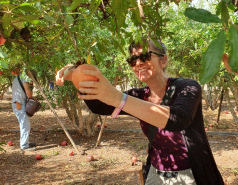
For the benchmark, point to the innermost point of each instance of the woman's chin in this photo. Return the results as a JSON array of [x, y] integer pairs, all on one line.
[[143, 78]]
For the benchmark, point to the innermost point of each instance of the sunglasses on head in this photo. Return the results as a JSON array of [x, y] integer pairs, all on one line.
[[143, 57]]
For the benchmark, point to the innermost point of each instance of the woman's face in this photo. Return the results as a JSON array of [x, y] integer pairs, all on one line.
[[150, 70]]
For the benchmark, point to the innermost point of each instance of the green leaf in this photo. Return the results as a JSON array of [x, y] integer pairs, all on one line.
[[227, 2], [28, 9], [115, 5], [92, 4], [75, 4], [201, 15], [30, 18], [158, 17], [233, 59], [3, 63], [145, 46], [7, 5], [3, 55], [120, 20], [34, 21], [218, 8], [49, 18], [6, 20], [211, 59], [155, 40], [101, 48], [34, 1], [224, 13], [69, 19], [98, 58], [135, 11], [117, 45], [94, 7]]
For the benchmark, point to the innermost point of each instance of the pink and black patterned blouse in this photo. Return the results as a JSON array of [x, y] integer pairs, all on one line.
[[183, 142], [168, 152]]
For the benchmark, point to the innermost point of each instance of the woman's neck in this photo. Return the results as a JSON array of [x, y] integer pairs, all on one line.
[[158, 87]]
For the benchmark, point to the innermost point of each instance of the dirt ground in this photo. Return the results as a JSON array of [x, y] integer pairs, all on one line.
[[121, 140]]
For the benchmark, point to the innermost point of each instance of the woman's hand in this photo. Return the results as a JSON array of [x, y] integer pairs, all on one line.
[[64, 74], [101, 90]]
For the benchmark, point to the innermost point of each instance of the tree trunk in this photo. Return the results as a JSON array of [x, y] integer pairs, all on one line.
[[73, 113], [230, 106], [2, 93], [215, 98], [3, 90], [90, 123], [234, 90], [205, 97], [209, 96], [66, 107], [219, 110], [81, 121]]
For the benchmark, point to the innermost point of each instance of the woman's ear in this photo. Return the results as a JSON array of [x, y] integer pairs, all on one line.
[[163, 61]]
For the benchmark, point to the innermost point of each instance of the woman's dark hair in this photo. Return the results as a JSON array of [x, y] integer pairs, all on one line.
[[151, 45]]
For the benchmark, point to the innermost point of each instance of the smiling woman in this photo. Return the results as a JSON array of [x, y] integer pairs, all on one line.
[[170, 114]]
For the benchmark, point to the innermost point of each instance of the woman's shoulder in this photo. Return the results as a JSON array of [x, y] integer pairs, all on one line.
[[183, 81], [186, 85]]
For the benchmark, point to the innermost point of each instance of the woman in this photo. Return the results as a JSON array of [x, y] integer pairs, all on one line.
[[180, 153]]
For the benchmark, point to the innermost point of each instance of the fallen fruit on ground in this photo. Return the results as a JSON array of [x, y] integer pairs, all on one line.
[[9, 143], [134, 159], [211, 125], [206, 129], [71, 153], [63, 143], [226, 112], [38, 157], [79, 76], [90, 158]]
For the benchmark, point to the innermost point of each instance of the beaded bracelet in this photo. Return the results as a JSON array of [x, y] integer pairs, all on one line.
[[122, 104]]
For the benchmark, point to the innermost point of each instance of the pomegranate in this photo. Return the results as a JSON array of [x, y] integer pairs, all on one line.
[[79, 76], [90, 158], [64, 143], [38, 157]]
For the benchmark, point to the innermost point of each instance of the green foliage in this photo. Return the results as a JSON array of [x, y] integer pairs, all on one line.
[[210, 64], [1, 149], [212, 57], [68, 31], [233, 60], [201, 15]]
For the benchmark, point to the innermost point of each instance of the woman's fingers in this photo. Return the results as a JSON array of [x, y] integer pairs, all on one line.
[[97, 74], [59, 78]]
